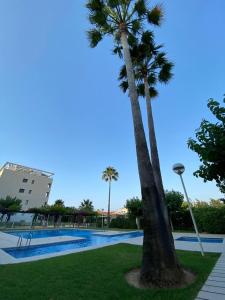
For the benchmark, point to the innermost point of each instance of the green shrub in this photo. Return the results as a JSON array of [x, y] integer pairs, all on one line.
[[210, 219], [181, 220], [123, 222]]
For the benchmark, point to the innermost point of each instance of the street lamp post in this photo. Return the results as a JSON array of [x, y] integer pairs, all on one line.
[[179, 169]]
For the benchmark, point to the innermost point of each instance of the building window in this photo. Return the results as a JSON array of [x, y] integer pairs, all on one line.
[[32, 181], [46, 194], [25, 180], [30, 191], [49, 185], [21, 190], [27, 201]]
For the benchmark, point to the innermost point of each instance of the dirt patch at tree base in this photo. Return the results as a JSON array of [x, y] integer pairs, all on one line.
[[133, 279]]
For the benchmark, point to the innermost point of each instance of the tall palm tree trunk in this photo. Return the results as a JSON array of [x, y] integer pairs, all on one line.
[[154, 150], [108, 215], [159, 263]]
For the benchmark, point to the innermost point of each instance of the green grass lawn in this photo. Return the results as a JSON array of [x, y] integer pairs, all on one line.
[[96, 274]]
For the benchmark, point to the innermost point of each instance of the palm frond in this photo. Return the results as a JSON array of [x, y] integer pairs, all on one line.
[[94, 37], [152, 80], [141, 89], [140, 7], [124, 86], [113, 3], [95, 5], [123, 73], [165, 73], [117, 50], [132, 40], [155, 15], [161, 59], [147, 37], [153, 92], [135, 26], [98, 18]]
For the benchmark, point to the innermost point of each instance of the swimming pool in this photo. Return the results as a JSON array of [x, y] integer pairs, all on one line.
[[90, 238], [203, 239]]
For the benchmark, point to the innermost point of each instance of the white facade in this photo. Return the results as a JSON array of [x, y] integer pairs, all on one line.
[[32, 186]]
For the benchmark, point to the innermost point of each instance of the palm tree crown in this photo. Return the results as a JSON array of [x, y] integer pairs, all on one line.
[[110, 174], [149, 63], [87, 204], [111, 17]]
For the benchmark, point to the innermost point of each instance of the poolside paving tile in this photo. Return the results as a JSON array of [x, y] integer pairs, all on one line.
[[219, 269], [216, 278], [214, 283], [218, 274], [210, 296], [213, 289]]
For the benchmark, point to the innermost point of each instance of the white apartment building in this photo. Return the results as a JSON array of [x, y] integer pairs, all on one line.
[[30, 185]]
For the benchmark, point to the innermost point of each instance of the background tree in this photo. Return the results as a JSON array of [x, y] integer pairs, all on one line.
[[150, 67], [124, 20], [200, 204], [59, 203], [86, 205], [174, 201], [134, 207], [57, 210], [108, 175], [216, 203], [210, 146], [8, 206]]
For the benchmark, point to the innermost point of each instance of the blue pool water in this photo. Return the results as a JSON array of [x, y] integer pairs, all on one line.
[[89, 240], [203, 240]]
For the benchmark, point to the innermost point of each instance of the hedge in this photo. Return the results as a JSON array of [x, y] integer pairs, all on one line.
[[181, 220], [124, 223], [209, 219]]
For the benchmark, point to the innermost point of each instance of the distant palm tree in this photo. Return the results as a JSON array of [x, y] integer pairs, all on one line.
[[86, 205], [109, 174], [150, 67], [59, 203], [124, 21]]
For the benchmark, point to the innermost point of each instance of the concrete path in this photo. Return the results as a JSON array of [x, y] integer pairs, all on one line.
[[9, 240], [214, 287], [189, 246]]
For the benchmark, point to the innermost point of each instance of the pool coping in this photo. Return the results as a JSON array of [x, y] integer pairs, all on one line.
[[8, 259]]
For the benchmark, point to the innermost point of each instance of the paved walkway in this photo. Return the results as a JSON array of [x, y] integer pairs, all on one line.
[[189, 246], [214, 287]]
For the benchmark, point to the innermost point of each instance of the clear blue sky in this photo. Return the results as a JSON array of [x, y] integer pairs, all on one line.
[[62, 110]]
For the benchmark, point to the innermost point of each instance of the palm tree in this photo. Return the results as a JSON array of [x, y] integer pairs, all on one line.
[[150, 67], [59, 203], [109, 174], [86, 205], [123, 20]]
